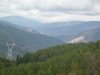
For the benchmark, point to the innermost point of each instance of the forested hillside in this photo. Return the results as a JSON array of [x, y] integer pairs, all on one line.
[[68, 59]]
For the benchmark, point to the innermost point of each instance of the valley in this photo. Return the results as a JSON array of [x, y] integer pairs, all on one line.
[[49, 37], [25, 41]]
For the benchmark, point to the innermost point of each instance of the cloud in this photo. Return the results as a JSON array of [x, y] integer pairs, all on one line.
[[24, 4], [53, 4], [96, 8], [52, 10], [63, 4], [63, 17]]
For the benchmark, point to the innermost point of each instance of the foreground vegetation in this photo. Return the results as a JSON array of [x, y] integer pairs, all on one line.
[[69, 59]]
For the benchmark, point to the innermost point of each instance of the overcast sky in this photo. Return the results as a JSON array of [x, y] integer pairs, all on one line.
[[52, 10]]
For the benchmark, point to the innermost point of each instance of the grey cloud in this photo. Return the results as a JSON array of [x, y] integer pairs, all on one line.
[[37, 8]]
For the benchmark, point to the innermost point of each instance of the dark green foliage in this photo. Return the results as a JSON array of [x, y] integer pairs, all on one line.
[[69, 59]]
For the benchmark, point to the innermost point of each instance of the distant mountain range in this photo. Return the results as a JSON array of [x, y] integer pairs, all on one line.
[[24, 39], [65, 31], [22, 21]]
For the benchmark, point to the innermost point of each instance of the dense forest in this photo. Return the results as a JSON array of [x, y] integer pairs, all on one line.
[[68, 59]]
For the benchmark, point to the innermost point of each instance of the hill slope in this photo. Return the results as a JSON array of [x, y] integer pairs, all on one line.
[[87, 36], [67, 31], [25, 41], [91, 35], [64, 31], [21, 21], [70, 59]]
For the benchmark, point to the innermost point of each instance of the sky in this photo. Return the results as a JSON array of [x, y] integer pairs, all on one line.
[[52, 10]]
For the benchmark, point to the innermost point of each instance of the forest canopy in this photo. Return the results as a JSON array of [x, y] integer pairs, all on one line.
[[68, 59]]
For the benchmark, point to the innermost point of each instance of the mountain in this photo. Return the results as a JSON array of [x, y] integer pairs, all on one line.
[[91, 35], [25, 41], [64, 31], [77, 40], [42, 27], [67, 30], [22, 21], [87, 36], [27, 29]]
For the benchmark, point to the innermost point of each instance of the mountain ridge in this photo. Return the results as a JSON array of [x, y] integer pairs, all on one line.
[[64, 31], [25, 41]]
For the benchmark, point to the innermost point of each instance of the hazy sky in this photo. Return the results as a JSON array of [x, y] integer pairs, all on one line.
[[52, 10]]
